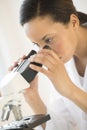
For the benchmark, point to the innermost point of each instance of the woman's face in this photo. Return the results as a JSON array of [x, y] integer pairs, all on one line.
[[61, 38]]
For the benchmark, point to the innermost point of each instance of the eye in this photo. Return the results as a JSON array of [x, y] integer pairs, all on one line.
[[48, 40]]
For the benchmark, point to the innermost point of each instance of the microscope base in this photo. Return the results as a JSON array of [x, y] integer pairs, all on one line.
[[28, 123]]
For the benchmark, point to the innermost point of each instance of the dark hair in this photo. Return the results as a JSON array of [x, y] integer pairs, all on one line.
[[58, 10], [82, 17]]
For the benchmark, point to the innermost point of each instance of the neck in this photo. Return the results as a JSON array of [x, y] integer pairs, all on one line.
[[81, 50]]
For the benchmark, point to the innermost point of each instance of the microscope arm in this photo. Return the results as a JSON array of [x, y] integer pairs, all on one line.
[[12, 83]]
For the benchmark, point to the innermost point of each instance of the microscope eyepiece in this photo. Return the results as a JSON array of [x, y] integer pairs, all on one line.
[[24, 69]]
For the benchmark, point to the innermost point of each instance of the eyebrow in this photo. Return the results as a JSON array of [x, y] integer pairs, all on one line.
[[44, 37]]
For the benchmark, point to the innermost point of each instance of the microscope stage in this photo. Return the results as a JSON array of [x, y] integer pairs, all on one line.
[[28, 123]]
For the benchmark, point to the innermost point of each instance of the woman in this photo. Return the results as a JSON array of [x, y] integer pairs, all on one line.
[[56, 23]]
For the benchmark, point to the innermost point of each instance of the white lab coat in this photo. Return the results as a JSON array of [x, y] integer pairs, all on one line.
[[65, 115]]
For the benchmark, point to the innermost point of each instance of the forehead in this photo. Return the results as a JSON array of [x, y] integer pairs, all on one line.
[[41, 26], [39, 23]]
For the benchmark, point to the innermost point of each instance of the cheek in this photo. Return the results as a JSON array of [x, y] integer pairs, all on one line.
[[63, 49], [58, 48]]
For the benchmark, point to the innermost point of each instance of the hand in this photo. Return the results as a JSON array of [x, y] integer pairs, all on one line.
[[33, 89], [16, 63], [54, 70]]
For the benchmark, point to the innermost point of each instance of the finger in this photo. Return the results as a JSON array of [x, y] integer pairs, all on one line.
[[15, 64], [45, 62], [23, 57], [51, 53], [45, 59], [42, 56], [39, 69]]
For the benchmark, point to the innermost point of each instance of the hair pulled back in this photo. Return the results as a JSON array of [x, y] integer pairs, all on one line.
[[58, 10]]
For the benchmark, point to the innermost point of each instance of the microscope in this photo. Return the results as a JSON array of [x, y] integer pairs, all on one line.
[[11, 86]]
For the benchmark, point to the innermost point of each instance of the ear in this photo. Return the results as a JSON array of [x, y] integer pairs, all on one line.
[[74, 21]]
